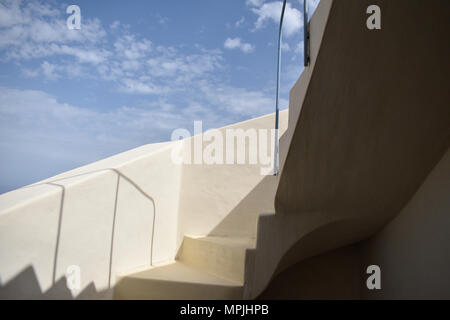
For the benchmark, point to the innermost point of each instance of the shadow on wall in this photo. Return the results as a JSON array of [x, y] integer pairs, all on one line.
[[242, 220], [25, 285], [325, 238], [412, 251], [333, 275]]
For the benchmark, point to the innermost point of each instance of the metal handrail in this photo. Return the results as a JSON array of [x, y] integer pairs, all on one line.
[[305, 34], [306, 63]]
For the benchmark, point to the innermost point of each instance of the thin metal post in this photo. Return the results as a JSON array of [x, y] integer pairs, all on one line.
[[305, 34], [275, 153]]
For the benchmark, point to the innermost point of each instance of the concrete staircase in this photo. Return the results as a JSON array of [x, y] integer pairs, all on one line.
[[358, 145], [223, 267], [208, 267]]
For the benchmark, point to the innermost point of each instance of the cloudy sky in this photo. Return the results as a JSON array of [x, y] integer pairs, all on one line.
[[133, 73]]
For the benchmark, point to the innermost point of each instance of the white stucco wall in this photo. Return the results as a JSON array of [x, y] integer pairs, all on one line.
[[413, 250], [98, 217], [211, 192], [123, 213]]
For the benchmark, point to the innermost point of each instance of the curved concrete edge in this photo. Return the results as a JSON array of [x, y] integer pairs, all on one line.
[[412, 251], [357, 209], [284, 240], [276, 233]]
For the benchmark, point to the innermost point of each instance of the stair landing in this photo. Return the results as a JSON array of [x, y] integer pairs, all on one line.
[[175, 281]]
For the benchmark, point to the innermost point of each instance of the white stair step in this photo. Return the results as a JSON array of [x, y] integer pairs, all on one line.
[[221, 256], [175, 281]]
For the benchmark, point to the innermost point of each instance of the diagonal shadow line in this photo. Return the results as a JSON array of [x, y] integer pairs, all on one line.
[[119, 175], [113, 231], [134, 184], [58, 234]]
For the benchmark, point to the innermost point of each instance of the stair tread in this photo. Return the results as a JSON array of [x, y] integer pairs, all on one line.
[[179, 272], [229, 241]]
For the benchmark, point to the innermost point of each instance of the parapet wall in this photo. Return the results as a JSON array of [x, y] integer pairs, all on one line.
[[126, 212]]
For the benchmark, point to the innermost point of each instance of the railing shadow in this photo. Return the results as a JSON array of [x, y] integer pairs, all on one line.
[[25, 285], [55, 183]]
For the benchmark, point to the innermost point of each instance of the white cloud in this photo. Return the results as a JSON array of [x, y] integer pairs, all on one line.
[[239, 22], [255, 3], [141, 86], [128, 61], [114, 25], [242, 101], [237, 43], [135, 64], [131, 65], [34, 30], [130, 48], [285, 46], [271, 11], [92, 56], [36, 129], [173, 88], [175, 68], [163, 20], [28, 73], [36, 122], [48, 70]]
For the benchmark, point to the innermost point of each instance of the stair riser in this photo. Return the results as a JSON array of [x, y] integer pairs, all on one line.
[[224, 261], [139, 289]]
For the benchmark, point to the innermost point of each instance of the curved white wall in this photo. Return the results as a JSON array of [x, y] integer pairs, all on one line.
[[98, 217], [104, 217]]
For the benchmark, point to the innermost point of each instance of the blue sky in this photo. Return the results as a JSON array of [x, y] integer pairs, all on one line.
[[133, 73]]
